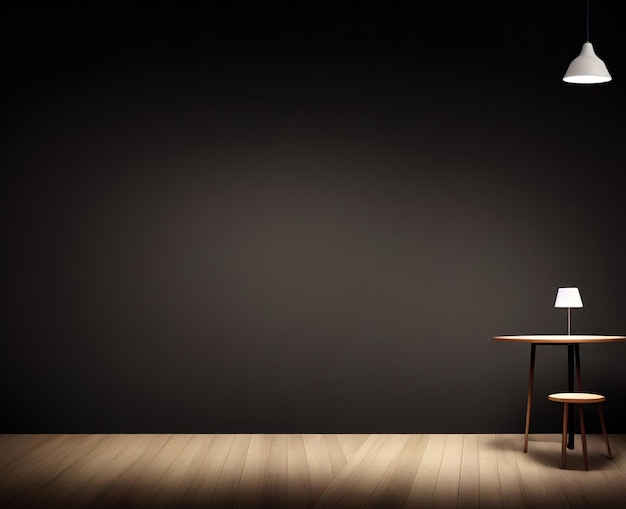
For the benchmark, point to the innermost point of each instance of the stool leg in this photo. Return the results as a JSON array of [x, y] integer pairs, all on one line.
[[583, 435], [604, 433], [564, 437]]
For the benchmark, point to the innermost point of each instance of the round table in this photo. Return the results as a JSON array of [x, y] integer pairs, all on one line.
[[573, 343]]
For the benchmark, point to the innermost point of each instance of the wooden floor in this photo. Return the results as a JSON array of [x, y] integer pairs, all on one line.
[[307, 471]]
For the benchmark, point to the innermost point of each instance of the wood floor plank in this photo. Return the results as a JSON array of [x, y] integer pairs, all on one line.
[[357, 480], [446, 492], [335, 452], [177, 477], [279, 471], [582, 488], [373, 484], [46, 468], [619, 440], [65, 487], [299, 490], [423, 485], [490, 485], [19, 449], [320, 464], [102, 479], [146, 487], [618, 448], [618, 482], [398, 478], [202, 485], [469, 475], [575, 495], [539, 481], [507, 446], [127, 473], [254, 471], [351, 443], [276, 482], [228, 483], [385, 492], [20, 457]]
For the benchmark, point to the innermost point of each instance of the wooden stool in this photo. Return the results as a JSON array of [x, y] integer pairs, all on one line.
[[580, 398]]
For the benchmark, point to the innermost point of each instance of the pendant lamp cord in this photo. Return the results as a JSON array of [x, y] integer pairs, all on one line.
[[587, 20]]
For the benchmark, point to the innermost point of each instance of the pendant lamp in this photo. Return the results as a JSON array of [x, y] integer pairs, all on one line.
[[587, 68]]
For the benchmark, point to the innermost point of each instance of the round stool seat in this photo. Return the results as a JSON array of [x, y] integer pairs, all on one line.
[[577, 397]]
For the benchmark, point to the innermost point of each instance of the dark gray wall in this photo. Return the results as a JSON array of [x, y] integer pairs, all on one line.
[[309, 220]]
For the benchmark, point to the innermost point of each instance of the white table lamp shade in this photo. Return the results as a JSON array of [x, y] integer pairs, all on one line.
[[568, 297]]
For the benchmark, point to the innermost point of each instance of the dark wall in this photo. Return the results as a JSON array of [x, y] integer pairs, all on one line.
[[314, 219]]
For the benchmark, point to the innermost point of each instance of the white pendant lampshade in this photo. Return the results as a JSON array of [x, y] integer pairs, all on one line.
[[587, 68]]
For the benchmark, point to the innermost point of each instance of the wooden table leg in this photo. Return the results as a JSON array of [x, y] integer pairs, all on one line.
[[529, 399]]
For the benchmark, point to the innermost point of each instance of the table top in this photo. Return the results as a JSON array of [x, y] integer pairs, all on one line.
[[556, 339]]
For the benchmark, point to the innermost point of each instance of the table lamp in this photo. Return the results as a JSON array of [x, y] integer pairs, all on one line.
[[568, 297]]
